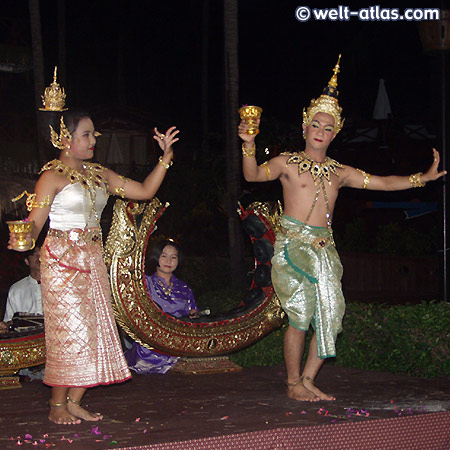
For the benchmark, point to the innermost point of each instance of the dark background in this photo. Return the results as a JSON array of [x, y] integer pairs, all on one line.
[[147, 55]]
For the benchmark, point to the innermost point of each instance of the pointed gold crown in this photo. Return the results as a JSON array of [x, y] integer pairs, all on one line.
[[327, 103], [54, 97]]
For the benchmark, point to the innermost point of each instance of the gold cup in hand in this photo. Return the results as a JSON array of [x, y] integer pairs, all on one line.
[[22, 229], [250, 114]]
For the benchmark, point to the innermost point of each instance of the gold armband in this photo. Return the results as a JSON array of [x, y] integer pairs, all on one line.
[[366, 178], [120, 191], [267, 169], [31, 202], [248, 152], [166, 166], [415, 180]]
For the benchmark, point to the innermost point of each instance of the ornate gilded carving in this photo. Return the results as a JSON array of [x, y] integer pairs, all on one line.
[[144, 321], [16, 354]]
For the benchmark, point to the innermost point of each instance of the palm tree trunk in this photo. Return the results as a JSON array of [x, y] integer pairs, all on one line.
[[62, 65], [204, 82], [233, 170], [38, 72]]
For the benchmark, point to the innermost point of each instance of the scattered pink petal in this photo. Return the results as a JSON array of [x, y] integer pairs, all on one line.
[[392, 401], [138, 419], [145, 431], [107, 436], [42, 441], [303, 412], [95, 430], [45, 435], [224, 418], [76, 435], [28, 436], [288, 413]]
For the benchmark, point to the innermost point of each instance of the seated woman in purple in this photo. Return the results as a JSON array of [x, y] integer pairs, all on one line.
[[173, 296]]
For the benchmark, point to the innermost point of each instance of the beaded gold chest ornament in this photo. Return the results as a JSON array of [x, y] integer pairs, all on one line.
[[317, 170]]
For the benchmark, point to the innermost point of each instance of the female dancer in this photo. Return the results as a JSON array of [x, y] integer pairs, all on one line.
[[172, 295], [82, 344]]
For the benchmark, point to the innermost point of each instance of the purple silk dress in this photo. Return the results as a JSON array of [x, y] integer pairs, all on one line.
[[176, 299]]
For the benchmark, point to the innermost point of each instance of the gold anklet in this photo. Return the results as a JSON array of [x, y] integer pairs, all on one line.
[[307, 379], [293, 384], [56, 405], [73, 401]]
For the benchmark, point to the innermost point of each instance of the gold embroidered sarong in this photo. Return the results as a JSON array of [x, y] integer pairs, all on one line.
[[306, 275], [81, 338]]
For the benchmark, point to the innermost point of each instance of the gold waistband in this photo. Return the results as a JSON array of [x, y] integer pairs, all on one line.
[[89, 236], [316, 241]]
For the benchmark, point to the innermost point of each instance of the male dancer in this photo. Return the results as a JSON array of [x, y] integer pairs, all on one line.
[[306, 269]]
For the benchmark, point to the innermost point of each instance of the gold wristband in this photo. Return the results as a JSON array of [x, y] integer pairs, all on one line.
[[267, 169], [248, 152], [415, 180], [165, 165], [366, 178]]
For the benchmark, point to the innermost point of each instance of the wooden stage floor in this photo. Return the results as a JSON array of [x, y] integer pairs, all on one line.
[[175, 407]]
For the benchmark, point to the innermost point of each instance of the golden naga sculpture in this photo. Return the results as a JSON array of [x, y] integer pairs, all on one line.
[[146, 323]]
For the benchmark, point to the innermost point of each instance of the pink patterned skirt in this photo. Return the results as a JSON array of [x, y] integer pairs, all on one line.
[[81, 338]]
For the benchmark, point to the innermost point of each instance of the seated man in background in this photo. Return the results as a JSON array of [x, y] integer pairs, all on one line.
[[24, 296]]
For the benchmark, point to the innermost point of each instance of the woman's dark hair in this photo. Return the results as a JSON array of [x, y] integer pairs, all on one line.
[[157, 249], [71, 119]]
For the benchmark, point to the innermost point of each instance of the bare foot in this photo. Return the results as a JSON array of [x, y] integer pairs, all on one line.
[[78, 411], [59, 414], [308, 383], [298, 392]]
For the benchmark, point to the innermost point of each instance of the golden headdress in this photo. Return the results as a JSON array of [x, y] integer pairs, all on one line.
[[54, 99], [57, 140], [327, 103], [54, 96]]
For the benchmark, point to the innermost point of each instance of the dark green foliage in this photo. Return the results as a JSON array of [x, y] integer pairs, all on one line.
[[408, 339], [391, 238], [266, 352]]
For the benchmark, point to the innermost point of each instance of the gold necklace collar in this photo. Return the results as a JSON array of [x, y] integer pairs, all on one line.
[[318, 170]]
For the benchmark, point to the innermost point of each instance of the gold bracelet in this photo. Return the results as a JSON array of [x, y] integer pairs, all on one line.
[[267, 169], [366, 178], [165, 165], [415, 180], [248, 152]]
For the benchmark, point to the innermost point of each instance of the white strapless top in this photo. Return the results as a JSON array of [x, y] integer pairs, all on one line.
[[72, 207]]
